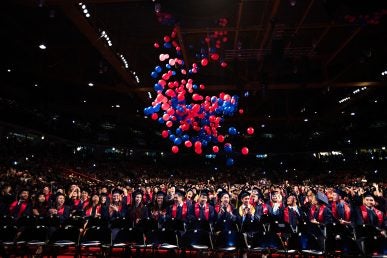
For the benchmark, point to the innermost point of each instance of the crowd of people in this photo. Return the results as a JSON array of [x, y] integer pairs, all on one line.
[[346, 215], [298, 211]]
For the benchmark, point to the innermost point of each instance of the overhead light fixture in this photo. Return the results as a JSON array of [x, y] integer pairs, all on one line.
[[42, 46]]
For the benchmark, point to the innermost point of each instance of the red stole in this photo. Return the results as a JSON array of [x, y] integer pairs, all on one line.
[[76, 202], [111, 211], [347, 211], [265, 210], [320, 217], [206, 211], [85, 204], [183, 211], [286, 215], [378, 213], [47, 197], [60, 210], [129, 199], [22, 208], [89, 210]]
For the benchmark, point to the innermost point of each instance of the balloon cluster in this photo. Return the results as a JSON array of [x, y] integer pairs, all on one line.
[[212, 44], [366, 19], [191, 119]]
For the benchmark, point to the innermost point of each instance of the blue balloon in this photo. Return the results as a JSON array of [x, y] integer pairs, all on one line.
[[177, 141], [172, 137], [185, 137], [154, 74], [158, 87], [167, 45], [232, 130], [179, 131], [168, 66], [158, 69], [157, 108], [160, 120], [230, 162], [228, 148]]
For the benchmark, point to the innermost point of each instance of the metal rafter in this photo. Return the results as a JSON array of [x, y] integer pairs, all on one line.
[[305, 14], [343, 45], [239, 16]]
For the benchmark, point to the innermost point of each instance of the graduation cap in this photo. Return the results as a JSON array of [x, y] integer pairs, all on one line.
[[137, 192], [180, 193], [222, 193], [256, 189], [339, 192], [322, 198], [243, 194], [368, 194], [204, 192], [117, 191], [160, 193]]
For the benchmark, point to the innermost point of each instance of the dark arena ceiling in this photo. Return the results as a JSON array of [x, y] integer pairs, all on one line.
[[309, 73]]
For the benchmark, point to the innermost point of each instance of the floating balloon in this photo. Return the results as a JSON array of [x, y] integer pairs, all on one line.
[[175, 149], [230, 162], [164, 134], [250, 130], [232, 130], [189, 116], [245, 150]]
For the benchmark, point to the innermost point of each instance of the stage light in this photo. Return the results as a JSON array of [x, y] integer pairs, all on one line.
[[83, 6], [352, 114], [36, 85], [42, 137], [118, 106], [87, 15], [306, 120], [262, 125], [90, 84], [9, 70], [42, 46]]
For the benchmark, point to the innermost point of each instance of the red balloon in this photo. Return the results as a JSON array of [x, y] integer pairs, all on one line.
[[167, 38], [245, 150], [198, 144], [223, 64], [188, 144], [215, 56], [241, 111], [175, 149], [154, 116], [215, 149], [197, 97], [169, 123], [198, 151], [250, 130], [204, 62], [170, 111], [166, 117], [164, 133], [220, 138], [156, 45]]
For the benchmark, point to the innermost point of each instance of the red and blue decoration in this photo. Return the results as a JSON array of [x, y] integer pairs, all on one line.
[[191, 119]]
